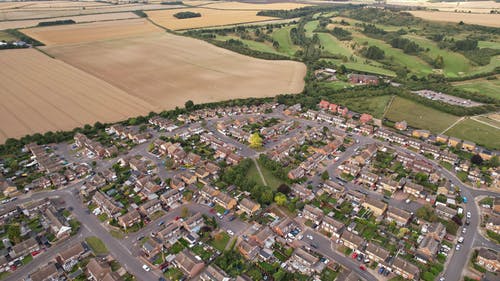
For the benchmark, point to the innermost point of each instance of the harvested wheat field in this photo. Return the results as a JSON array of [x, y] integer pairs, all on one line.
[[255, 7], [181, 69], [78, 19], [90, 32], [42, 94], [209, 17], [480, 19]]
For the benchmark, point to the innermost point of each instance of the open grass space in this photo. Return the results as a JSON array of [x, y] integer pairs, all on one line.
[[271, 180], [477, 132], [396, 56], [96, 245], [282, 35], [220, 241], [374, 106], [4, 36], [251, 44], [483, 86], [419, 116]]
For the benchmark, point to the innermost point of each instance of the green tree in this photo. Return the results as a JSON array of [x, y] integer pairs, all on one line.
[[438, 62], [325, 176], [266, 196], [14, 233], [189, 105], [280, 199], [255, 140]]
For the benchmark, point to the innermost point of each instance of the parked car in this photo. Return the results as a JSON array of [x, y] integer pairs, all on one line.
[[146, 268]]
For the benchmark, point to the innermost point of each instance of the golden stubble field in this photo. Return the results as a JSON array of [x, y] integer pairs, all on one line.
[[94, 78], [42, 94], [481, 19]]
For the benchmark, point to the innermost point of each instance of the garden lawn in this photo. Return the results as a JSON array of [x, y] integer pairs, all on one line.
[[479, 133], [96, 245], [271, 180], [220, 244], [419, 116], [282, 35]]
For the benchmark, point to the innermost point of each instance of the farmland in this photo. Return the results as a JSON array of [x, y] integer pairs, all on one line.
[[486, 87], [71, 34], [477, 132], [419, 116], [481, 19], [42, 94], [209, 17], [254, 7]]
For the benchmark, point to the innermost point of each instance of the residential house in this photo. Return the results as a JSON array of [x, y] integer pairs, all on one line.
[[414, 189], [363, 79], [355, 196], [248, 206], [399, 216], [405, 269], [351, 240], [57, 224], [332, 226], [376, 206], [23, 248], [151, 247], [488, 259], [170, 234], [493, 223], [303, 261], [225, 200], [214, 273], [284, 226], [421, 134], [296, 173], [445, 212], [428, 248], [452, 141], [334, 189], [300, 191], [264, 237], [468, 145], [365, 118], [150, 207], [377, 253], [70, 256], [401, 125], [389, 185], [249, 251], [188, 264], [106, 205], [171, 196], [436, 230], [194, 223], [313, 214], [129, 219], [208, 192], [368, 178], [47, 272], [97, 271]]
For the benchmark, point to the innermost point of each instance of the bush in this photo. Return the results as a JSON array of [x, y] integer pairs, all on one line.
[[187, 15]]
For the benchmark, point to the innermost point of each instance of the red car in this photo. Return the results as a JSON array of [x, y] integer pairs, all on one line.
[[177, 218], [362, 267], [354, 255]]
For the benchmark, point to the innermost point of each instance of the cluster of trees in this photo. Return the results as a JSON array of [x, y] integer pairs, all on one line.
[[310, 46], [408, 46], [239, 47], [56, 22], [187, 15], [384, 16], [304, 11], [465, 45], [23, 37], [341, 34], [141, 13], [372, 30], [373, 52]]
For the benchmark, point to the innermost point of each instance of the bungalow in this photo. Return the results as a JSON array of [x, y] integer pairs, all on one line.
[[188, 264], [414, 189], [445, 212], [248, 206], [47, 272], [225, 200], [249, 251], [129, 219], [389, 185], [377, 253], [488, 259], [214, 273], [399, 216], [351, 240], [70, 256], [332, 226], [303, 261], [405, 269], [376, 206], [171, 196], [150, 207], [194, 223], [313, 214], [23, 248]]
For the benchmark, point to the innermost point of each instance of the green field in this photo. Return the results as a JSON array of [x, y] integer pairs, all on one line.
[[489, 44], [310, 27], [477, 132], [271, 180], [455, 64], [282, 35], [4, 36], [254, 45], [419, 116], [374, 106], [220, 241], [337, 85], [333, 45], [486, 87], [96, 245], [396, 56]]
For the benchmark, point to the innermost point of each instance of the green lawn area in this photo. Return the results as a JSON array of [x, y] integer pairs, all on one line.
[[116, 234], [6, 36], [495, 62], [479, 133], [374, 106], [96, 245], [489, 44], [220, 241], [336, 85], [489, 120], [282, 35], [174, 274], [419, 116], [454, 63], [310, 27], [396, 56], [271, 180], [489, 88], [27, 259], [254, 45], [333, 45]]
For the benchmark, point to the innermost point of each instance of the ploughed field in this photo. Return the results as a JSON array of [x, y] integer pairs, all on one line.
[[109, 71]]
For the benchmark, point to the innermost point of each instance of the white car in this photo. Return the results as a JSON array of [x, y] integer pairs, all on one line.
[[145, 267], [469, 215], [457, 247], [464, 230], [461, 239], [310, 237], [230, 232]]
